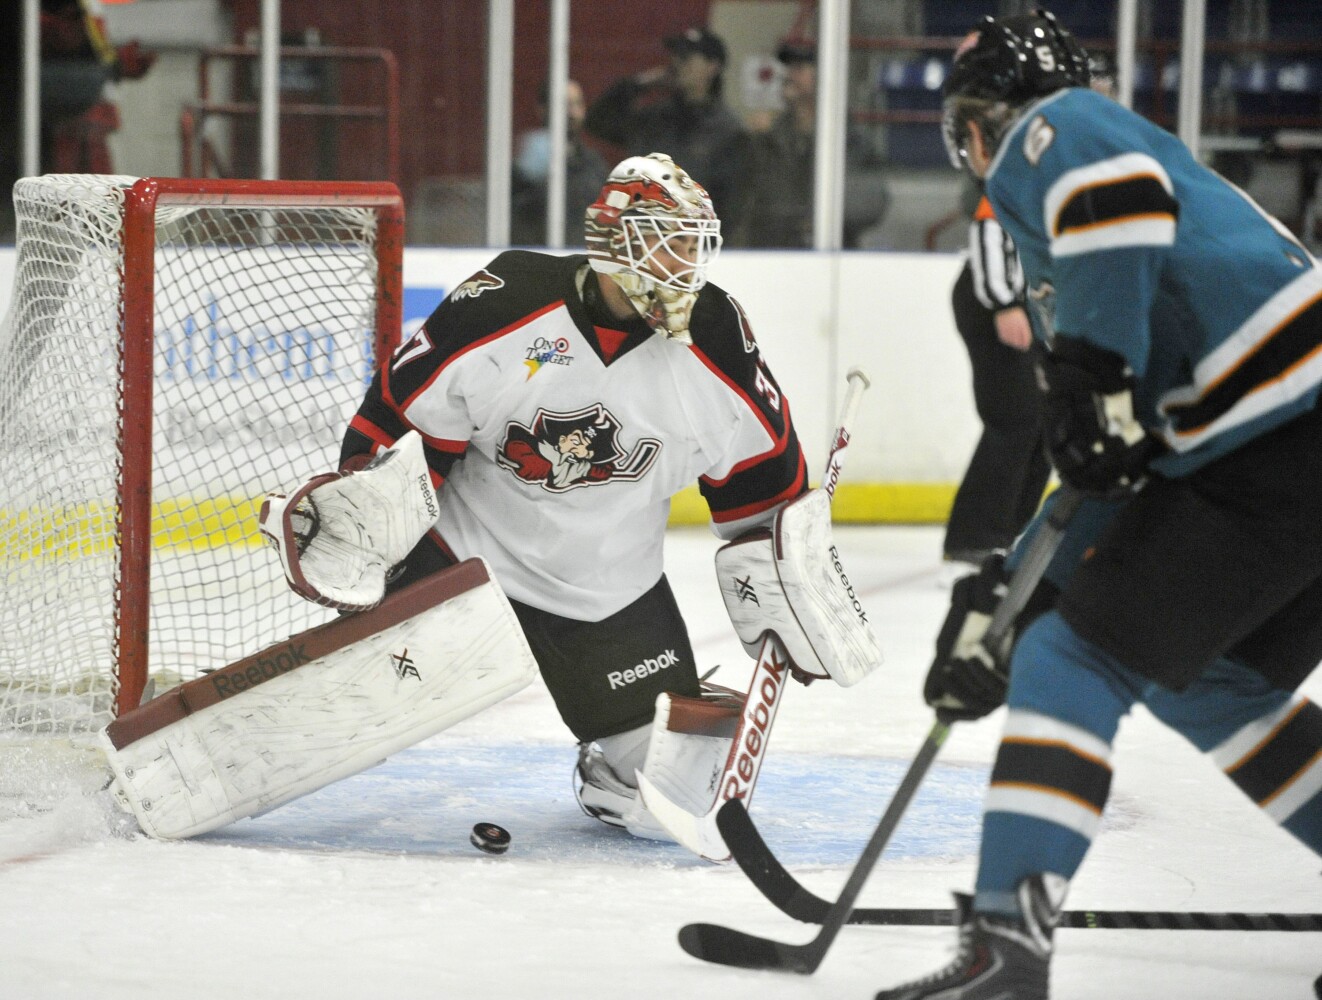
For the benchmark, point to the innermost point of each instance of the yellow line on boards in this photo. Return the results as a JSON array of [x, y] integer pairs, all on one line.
[[855, 503], [213, 522]]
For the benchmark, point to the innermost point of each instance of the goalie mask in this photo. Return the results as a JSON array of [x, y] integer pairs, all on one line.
[[1001, 66], [654, 232]]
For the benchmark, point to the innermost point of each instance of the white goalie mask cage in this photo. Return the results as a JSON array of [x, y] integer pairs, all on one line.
[[654, 220]]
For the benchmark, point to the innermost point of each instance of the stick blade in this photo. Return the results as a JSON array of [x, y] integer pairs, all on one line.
[[727, 946], [753, 855]]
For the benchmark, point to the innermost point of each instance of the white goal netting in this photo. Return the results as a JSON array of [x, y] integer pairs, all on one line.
[[265, 320]]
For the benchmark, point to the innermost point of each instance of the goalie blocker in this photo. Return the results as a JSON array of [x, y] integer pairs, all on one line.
[[789, 581], [326, 704]]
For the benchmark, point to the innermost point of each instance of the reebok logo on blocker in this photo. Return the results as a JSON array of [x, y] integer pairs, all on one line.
[[649, 666], [850, 597]]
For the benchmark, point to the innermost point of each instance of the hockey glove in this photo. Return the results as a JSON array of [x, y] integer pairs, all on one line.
[[966, 680], [340, 535], [1095, 443]]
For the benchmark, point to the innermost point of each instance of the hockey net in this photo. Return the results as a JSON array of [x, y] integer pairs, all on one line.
[[172, 350]]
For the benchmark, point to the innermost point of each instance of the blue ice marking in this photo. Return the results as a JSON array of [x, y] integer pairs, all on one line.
[[812, 809]]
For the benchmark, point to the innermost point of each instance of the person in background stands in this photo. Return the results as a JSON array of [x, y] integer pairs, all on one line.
[[776, 190], [585, 173], [78, 59], [678, 109]]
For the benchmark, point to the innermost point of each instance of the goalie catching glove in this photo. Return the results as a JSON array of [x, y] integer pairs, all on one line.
[[340, 534], [789, 581]]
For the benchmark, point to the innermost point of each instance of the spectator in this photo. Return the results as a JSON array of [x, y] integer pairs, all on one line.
[[677, 109], [1008, 472], [78, 59], [76, 62], [776, 193], [585, 173]]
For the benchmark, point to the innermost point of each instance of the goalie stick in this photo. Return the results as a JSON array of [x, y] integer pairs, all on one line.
[[727, 946], [766, 687], [792, 898]]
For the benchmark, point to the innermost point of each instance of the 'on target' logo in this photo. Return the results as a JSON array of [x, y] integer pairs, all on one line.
[[547, 352]]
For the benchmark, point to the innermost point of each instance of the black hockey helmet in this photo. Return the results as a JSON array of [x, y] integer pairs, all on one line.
[[1010, 61]]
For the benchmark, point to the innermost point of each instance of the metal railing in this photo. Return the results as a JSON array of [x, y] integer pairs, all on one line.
[[200, 156]]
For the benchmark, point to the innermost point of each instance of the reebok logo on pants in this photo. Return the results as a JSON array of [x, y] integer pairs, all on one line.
[[649, 666]]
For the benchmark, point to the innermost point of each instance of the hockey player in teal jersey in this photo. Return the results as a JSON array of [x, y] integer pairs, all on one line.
[[1182, 381]]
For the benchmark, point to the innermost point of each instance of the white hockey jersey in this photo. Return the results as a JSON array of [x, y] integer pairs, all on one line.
[[557, 436]]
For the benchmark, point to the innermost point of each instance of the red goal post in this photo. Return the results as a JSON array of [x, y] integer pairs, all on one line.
[[173, 349]]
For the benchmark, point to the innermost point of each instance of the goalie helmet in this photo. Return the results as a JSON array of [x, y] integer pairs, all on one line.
[[1002, 65], [654, 232]]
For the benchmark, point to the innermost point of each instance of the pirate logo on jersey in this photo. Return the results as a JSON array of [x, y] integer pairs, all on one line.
[[483, 281], [563, 451]]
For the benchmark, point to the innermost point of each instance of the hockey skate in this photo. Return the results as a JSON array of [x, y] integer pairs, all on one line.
[[603, 795], [999, 957], [599, 791]]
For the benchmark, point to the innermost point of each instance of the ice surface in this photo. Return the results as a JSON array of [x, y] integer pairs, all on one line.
[[370, 889]]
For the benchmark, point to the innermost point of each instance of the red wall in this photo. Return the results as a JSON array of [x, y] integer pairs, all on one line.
[[440, 46]]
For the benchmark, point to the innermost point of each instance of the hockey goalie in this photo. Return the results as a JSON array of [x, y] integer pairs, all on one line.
[[540, 421]]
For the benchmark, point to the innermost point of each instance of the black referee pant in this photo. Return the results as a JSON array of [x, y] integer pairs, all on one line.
[[1008, 473]]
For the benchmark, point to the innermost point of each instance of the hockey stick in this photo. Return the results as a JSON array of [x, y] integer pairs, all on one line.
[[793, 899], [766, 687], [726, 946]]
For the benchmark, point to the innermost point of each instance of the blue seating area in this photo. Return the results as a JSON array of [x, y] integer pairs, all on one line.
[[914, 85], [954, 18], [1271, 86], [1293, 19]]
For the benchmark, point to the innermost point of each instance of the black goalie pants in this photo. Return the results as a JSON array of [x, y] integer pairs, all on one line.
[[603, 676]]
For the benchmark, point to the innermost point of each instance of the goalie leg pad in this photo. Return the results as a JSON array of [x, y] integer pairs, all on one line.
[[688, 744], [328, 703], [790, 581], [691, 739]]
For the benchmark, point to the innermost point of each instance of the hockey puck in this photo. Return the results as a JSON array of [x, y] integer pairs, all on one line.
[[490, 838]]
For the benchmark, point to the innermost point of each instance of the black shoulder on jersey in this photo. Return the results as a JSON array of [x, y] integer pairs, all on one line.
[[514, 285], [720, 329]]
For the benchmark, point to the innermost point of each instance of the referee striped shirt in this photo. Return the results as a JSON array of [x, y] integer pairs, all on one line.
[[998, 280]]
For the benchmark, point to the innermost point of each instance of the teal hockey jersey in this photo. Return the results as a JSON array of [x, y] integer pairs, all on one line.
[[1128, 242]]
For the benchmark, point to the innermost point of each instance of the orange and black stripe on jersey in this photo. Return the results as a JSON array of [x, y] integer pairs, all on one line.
[[1127, 200], [1277, 760], [1270, 351]]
